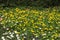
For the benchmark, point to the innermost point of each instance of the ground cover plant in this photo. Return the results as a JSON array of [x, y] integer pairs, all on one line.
[[30, 23]]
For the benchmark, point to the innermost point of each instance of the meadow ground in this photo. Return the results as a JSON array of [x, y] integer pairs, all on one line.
[[29, 23]]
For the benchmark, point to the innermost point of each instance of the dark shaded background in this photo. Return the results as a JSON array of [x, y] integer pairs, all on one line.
[[44, 3]]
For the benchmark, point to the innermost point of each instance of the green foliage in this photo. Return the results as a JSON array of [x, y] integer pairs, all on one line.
[[35, 23], [31, 2]]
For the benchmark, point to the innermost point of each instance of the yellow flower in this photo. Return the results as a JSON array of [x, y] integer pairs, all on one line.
[[5, 14], [23, 11], [51, 28], [43, 24], [34, 11], [41, 13], [55, 35], [46, 29], [41, 17], [17, 9], [32, 31], [51, 16], [26, 22], [11, 15], [26, 14], [52, 39], [36, 27], [24, 29], [42, 30]]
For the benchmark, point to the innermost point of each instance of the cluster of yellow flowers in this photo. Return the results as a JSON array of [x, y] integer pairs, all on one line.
[[44, 25]]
